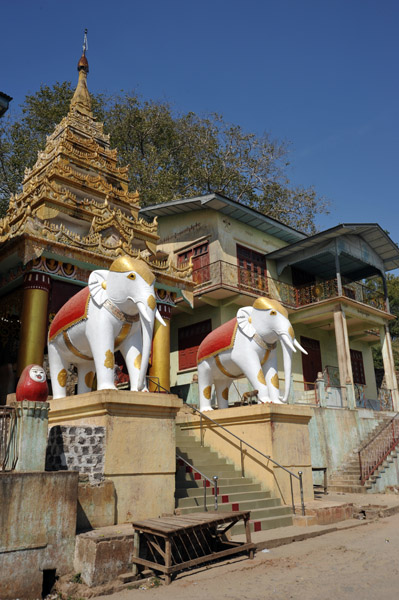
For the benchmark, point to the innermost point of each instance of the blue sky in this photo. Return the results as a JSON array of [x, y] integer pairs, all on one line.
[[321, 74]]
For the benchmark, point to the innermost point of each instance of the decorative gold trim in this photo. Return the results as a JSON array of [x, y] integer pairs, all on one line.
[[124, 332], [261, 377], [137, 361], [274, 381], [225, 394], [207, 392], [72, 348], [264, 344], [62, 378], [89, 378], [291, 332], [264, 303], [224, 371], [267, 354], [151, 302], [109, 361], [114, 310], [124, 264]]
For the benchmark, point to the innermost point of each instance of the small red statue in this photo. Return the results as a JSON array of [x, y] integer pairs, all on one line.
[[32, 384]]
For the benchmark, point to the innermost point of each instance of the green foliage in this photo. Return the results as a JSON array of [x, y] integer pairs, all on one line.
[[170, 156]]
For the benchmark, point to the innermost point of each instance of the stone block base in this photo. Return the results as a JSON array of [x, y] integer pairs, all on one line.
[[139, 446], [102, 555]]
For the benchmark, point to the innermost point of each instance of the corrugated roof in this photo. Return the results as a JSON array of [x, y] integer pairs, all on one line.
[[371, 233], [230, 208]]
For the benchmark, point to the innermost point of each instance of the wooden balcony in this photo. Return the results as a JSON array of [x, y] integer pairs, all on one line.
[[220, 278]]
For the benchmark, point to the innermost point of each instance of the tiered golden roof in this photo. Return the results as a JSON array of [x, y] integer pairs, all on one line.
[[75, 198]]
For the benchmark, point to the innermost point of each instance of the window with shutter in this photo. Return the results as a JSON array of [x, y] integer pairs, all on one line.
[[189, 339]]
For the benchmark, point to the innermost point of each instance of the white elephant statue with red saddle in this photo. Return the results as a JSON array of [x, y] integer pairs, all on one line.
[[246, 347], [116, 311]]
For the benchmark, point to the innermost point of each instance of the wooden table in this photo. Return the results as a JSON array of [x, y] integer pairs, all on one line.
[[171, 544]]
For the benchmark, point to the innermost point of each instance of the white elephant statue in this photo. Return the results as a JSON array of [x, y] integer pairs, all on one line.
[[246, 347], [116, 311]]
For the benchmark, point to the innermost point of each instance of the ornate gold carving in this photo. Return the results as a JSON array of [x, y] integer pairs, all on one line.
[[89, 378], [274, 381], [109, 361], [125, 264], [137, 362], [62, 377], [261, 377], [207, 392]]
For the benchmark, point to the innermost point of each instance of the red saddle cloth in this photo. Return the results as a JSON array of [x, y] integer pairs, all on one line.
[[72, 312], [218, 340]]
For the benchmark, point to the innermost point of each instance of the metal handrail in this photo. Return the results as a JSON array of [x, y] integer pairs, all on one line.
[[385, 441], [213, 482], [155, 381], [291, 473]]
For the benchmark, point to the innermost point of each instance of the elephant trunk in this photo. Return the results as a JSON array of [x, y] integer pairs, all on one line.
[[287, 357]]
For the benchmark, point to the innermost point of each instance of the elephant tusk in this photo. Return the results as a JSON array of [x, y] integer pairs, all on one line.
[[287, 342], [143, 311], [298, 345], [159, 318]]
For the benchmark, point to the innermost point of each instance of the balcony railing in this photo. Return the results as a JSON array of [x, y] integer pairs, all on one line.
[[230, 276]]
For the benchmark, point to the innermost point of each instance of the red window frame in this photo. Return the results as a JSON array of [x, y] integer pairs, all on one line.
[[252, 271], [200, 260], [188, 340]]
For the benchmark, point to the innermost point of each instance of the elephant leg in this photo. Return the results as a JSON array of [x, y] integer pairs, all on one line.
[[205, 385], [222, 392], [130, 349], [252, 369], [86, 374], [58, 371], [271, 376]]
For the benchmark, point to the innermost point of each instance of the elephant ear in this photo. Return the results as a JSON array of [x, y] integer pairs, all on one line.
[[98, 286], [244, 321]]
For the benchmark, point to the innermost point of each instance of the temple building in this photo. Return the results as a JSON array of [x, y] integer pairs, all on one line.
[[238, 254], [73, 215]]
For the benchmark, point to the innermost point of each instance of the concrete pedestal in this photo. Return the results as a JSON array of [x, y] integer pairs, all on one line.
[[140, 445], [279, 431]]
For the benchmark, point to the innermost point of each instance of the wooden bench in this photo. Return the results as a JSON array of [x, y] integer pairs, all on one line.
[[171, 544]]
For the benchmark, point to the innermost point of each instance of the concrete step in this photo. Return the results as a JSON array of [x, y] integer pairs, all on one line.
[[210, 459], [221, 472], [262, 524], [224, 498], [261, 512], [344, 480], [193, 492], [223, 483], [347, 489]]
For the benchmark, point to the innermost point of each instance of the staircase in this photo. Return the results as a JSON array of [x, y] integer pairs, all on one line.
[[234, 492], [347, 478]]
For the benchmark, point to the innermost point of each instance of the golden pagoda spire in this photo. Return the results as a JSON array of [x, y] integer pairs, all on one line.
[[81, 100]]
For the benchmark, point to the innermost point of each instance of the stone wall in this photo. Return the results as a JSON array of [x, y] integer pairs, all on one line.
[[77, 448]]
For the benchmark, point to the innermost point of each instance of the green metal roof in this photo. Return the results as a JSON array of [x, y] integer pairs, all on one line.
[[228, 207]]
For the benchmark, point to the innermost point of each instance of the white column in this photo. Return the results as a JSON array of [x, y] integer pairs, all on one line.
[[389, 365], [343, 354]]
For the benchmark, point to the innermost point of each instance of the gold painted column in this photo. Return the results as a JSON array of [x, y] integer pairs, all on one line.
[[160, 367], [33, 320]]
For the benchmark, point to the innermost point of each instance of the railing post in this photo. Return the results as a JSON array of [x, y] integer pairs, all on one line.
[[242, 460], [215, 492], [292, 495], [204, 482], [301, 488]]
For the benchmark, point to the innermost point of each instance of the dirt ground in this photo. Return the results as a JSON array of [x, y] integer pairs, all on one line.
[[359, 563]]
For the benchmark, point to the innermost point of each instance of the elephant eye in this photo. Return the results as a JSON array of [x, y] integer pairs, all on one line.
[[273, 312], [132, 276]]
